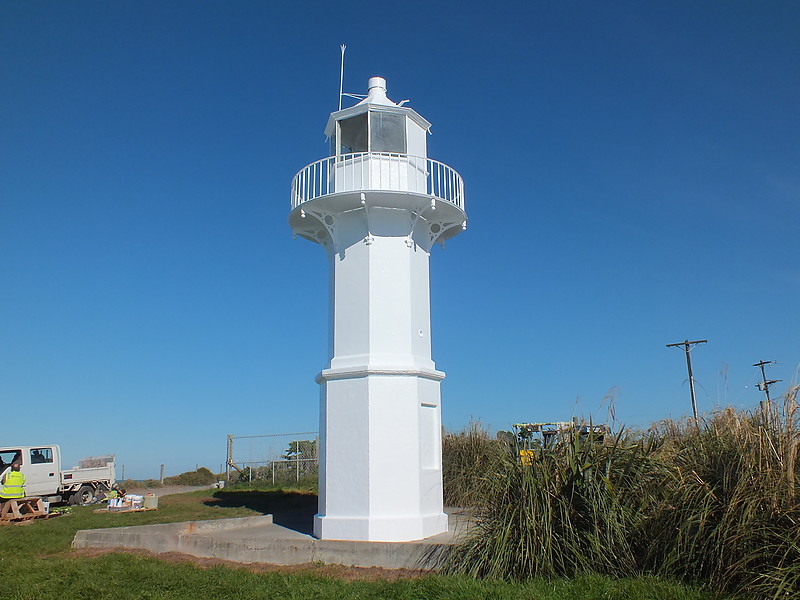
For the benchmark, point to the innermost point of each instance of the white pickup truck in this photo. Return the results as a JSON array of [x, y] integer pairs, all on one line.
[[44, 476]]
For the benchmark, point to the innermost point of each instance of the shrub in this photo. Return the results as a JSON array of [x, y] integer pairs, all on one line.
[[734, 504], [569, 512], [716, 503], [201, 476], [133, 484]]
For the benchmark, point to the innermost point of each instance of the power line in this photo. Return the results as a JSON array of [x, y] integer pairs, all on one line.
[[687, 347]]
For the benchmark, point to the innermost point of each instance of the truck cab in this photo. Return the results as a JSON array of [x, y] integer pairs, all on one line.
[[40, 464], [44, 476]]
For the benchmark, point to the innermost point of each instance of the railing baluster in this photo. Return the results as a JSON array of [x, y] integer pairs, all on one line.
[[442, 184], [448, 193]]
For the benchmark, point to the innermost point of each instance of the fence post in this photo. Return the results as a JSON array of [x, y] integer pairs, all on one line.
[[273, 472], [161, 479]]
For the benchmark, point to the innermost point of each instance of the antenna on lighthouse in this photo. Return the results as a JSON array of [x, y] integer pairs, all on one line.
[[341, 83], [341, 76]]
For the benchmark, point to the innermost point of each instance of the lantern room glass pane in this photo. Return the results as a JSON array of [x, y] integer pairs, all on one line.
[[353, 134], [387, 132]]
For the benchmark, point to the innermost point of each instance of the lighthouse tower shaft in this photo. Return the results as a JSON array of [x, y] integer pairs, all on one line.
[[380, 413], [378, 210]]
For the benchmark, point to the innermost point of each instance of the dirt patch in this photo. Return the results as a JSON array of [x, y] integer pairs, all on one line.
[[334, 571]]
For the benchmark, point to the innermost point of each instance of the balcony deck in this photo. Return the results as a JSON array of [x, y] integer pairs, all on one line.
[[378, 172]]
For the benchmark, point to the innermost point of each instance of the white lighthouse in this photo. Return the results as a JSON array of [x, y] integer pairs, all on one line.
[[377, 205]]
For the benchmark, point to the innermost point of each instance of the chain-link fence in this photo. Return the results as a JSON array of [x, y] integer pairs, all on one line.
[[276, 458]]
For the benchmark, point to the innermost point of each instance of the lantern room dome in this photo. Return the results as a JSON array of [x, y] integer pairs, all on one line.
[[376, 101]]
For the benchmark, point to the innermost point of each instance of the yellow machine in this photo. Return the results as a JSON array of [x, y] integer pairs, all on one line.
[[533, 436]]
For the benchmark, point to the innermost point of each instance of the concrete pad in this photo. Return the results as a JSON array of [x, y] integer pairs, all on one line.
[[259, 540]]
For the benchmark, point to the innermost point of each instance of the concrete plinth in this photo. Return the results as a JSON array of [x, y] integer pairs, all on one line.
[[259, 540]]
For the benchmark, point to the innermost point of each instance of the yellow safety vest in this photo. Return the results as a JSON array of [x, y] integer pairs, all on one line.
[[14, 487]]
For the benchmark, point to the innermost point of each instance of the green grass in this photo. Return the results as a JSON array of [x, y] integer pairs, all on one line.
[[306, 485], [36, 563]]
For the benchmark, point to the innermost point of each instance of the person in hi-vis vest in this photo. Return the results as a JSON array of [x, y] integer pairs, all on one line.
[[13, 484]]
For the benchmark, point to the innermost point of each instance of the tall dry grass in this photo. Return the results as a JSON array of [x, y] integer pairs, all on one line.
[[470, 460], [718, 504], [734, 510]]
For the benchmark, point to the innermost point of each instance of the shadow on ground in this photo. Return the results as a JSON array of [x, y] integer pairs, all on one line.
[[288, 509]]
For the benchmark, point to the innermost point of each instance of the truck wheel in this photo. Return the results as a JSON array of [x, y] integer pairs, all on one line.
[[84, 495]]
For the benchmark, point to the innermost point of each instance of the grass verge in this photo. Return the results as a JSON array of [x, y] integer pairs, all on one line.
[[37, 564]]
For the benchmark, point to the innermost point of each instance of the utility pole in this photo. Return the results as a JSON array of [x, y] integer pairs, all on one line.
[[229, 459], [764, 384], [687, 347]]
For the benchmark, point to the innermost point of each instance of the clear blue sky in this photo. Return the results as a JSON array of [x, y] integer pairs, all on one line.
[[632, 173]]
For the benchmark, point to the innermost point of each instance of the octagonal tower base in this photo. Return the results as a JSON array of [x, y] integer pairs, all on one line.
[[381, 445]]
